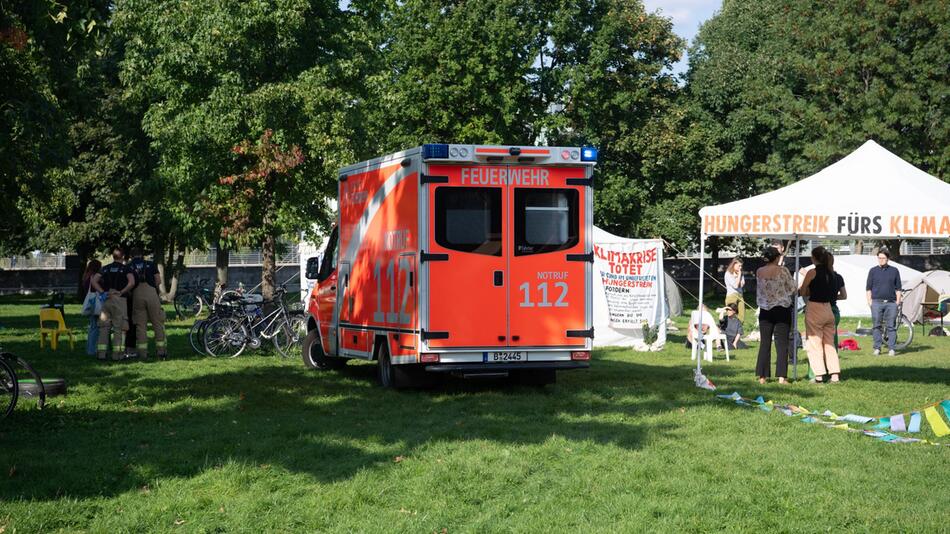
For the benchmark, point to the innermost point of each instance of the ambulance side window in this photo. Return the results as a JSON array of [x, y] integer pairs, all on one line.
[[329, 258], [468, 219], [546, 220]]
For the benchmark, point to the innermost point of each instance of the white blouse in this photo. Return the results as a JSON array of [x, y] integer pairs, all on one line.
[[777, 291]]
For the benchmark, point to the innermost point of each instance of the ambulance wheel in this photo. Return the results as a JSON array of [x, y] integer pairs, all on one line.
[[313, 355], [536, 377]]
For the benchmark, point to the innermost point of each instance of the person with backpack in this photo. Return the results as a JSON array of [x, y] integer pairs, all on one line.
[[146, 305], [113, 283]]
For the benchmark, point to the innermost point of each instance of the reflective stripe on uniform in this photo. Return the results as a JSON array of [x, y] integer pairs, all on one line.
[[102, 347], [141, 346], [159, 343]]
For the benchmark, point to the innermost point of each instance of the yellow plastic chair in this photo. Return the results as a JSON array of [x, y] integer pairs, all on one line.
[[52, 315]]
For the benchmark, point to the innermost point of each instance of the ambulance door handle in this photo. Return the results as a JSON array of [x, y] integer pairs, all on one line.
[[499, 278], [516, 338]]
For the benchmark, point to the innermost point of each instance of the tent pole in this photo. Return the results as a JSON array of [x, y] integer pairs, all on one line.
[[699, 331], [798, 256]]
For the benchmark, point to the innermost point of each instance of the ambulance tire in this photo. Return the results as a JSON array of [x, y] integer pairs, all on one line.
[[313, 355], [536, 377], [398, 376]]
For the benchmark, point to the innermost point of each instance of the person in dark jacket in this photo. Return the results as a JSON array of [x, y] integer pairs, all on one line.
[[884, 294]]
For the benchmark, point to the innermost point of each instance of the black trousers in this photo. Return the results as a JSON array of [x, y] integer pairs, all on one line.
[[774, 323]]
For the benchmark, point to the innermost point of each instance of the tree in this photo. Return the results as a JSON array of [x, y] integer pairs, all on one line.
[[250, 203], [211, 74], [777, 90]]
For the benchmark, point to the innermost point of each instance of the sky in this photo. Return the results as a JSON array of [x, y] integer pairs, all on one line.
[[687, 15]]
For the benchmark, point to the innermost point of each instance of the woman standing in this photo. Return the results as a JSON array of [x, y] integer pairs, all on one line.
[[92, 268], [821, 288], [735, 285], [842, 294], [774, 295]]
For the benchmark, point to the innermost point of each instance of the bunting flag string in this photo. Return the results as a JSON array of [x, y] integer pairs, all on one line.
[[883, 430]]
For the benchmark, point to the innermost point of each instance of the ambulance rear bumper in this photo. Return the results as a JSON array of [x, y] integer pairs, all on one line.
[[472, 368]]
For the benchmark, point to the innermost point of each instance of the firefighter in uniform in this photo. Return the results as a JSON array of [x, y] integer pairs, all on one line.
[[113, 282], [146, 306]]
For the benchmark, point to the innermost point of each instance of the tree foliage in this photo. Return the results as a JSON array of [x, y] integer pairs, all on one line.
[[777, 90]]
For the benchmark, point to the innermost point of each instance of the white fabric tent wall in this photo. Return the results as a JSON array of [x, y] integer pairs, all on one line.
[[604, 334], [927, 287], [854, 269]]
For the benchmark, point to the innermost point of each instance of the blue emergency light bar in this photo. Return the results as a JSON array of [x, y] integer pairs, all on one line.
[[588, 153], [434, 150]]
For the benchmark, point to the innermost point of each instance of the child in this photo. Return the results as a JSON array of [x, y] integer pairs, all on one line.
[[731, 326]]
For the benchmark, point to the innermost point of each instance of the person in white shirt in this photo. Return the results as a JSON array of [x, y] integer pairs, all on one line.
[[735, 285]]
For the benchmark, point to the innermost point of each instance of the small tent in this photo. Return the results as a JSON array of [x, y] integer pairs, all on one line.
[[927, 288], [854, 269]]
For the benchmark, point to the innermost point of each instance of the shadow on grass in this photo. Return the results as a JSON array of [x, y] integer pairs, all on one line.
[[328, 425], [901, 373]]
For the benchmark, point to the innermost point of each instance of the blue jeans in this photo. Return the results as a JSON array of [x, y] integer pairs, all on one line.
[[885, 312], [93, 336]]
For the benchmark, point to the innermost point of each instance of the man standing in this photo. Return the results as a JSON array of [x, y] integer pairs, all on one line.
[[884, 294], [112, 283], [146, 306]]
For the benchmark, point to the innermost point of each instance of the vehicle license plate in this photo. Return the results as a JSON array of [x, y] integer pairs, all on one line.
[[507, 357]]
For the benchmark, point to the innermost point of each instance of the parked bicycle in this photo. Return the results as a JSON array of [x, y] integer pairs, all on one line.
[[194, 297], [249, 326], [904, 328], [12, 387]]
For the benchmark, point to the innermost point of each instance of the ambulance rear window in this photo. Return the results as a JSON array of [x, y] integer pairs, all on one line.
[[546, 220], [468, 219]]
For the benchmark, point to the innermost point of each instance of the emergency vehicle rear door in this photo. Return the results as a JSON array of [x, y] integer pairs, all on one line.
[[548, 260], [465, 257]]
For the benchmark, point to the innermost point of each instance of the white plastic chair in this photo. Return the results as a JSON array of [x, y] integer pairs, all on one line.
[[712, 336]]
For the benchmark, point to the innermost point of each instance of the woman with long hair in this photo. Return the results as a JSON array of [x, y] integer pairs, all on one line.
[[735, 284], [821, 287], [92, 268], [841, 295], [774, 295]]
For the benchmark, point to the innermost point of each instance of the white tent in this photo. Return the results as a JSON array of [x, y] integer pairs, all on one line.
[[854, 269], [869, 193], [610, 333], [928, 288]]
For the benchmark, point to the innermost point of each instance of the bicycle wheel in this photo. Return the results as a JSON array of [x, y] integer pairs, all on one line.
[[187, 305], [285, 340], [225, 337], [9, 389], [27, 374], [905, 333], [196, 336]]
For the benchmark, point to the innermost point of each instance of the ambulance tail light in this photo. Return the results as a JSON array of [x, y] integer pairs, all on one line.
[[429, 357], [435, 151], [580, 355], [588, 153]]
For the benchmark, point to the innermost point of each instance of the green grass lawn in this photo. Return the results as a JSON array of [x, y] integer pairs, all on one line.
[[261, 444]]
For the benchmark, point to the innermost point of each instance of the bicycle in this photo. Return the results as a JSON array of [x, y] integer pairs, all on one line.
[[225, 306], [12, 387], [229, 336], [904, 328], [192, 298]]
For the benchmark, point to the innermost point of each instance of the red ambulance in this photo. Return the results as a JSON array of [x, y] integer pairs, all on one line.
[[465, 259]]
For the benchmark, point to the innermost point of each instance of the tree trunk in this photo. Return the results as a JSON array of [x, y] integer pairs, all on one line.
[[269, 268], [84, 251], [170, 264], [894, 246], [858, 247], [221, 260]]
